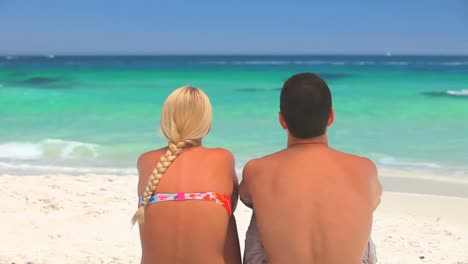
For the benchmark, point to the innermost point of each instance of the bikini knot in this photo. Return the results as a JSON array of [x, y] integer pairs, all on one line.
[[180, 196]]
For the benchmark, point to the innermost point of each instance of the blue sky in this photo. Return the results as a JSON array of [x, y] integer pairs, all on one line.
[[233, 27]]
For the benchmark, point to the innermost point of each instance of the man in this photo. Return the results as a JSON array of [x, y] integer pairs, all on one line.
[[312, 204]]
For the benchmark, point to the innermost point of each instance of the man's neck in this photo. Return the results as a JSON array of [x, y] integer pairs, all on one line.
[[320, 140]]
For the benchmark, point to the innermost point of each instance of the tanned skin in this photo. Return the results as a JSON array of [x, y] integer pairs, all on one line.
[[190, 231], [313, 204]]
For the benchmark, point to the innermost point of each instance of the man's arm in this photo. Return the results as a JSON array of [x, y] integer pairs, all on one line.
[[377, 190], [376, 187], [245, 185]]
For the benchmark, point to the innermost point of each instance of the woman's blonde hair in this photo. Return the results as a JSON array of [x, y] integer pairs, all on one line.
[[185, 119]]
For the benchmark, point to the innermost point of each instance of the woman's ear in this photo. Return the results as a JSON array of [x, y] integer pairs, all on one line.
[[281, 121], [331, 119]]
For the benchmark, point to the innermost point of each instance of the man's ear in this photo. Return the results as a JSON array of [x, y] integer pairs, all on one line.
[[281, 121], [331, 119]]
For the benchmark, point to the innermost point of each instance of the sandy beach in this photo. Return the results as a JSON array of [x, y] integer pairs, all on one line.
[[86, 219]]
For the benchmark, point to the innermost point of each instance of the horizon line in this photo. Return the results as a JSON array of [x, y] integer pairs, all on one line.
[[220, 54]]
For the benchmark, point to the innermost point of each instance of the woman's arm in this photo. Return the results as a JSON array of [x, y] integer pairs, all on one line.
[[231, 165]]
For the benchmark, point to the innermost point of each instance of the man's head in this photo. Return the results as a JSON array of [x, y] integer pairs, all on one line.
[[306, 106]]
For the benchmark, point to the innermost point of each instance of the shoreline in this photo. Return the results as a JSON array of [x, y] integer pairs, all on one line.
[[424, 187], [86, 219], [410, 182]]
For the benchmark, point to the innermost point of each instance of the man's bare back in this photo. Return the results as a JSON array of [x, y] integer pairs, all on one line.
[[313, 204]]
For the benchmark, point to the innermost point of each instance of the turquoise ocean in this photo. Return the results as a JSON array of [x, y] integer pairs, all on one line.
[[96, 114]]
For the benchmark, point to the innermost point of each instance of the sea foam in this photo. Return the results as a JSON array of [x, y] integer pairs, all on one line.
[[458, 93], [48, 148], [394, 162], [21, 168], [19, 150]]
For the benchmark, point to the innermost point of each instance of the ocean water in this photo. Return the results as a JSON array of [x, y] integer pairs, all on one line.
[[80, 115]]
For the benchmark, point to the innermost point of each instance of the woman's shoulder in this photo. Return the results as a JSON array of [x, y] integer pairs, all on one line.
[[150, 155], [220, 152]]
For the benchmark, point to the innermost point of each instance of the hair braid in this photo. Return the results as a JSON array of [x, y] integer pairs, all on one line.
[[186, 117], [174, 149]]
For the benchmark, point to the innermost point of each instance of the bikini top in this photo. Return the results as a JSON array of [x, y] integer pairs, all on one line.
[[220, 198]]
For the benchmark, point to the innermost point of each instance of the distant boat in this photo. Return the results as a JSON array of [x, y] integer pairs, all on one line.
[[51, 56], [9, 57], [388, 54]]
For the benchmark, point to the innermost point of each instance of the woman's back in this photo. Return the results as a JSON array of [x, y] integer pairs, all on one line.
[[189, 231]]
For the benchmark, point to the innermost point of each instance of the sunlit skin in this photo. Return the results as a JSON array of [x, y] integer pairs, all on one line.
[[190, 231], [313, 204]]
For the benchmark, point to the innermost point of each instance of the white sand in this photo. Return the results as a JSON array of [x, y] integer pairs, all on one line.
[[86, 219]]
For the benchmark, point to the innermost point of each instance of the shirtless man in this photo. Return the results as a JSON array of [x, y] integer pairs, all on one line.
[[313, 204]]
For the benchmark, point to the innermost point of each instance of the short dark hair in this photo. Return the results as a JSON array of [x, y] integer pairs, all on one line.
[[306, 104]]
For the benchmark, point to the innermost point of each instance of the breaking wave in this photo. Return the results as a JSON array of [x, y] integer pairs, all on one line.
[[448, 93], [48, 148]]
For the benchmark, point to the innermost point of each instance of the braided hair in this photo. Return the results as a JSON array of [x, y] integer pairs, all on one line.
[[185, 119]]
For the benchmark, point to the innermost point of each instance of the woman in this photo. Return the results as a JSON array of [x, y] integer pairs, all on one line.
[[187, 193]]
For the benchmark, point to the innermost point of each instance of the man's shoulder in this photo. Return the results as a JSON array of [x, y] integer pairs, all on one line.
[[356, 161], [365, 169], [251, 166], [258, 163]]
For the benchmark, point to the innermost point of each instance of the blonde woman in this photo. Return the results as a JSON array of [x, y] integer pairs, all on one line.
[[187, 193]]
